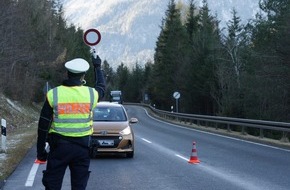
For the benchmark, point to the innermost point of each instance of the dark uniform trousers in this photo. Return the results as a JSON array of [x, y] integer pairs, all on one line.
[[61, 155]]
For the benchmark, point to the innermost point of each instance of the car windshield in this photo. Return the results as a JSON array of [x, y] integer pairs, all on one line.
[[109, 114], [116, 98]]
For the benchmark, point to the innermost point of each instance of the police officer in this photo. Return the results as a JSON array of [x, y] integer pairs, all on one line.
[[66, 123]]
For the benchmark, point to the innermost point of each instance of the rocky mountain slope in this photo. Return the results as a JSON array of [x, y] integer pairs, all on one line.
[[130, 28]]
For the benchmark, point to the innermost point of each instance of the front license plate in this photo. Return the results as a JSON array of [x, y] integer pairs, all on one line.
[[106, 142]]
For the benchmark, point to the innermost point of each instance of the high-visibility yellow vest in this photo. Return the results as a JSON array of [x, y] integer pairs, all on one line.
[[72, 110]]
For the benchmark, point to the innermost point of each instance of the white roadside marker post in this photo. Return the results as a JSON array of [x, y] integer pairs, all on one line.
[[3, 133]]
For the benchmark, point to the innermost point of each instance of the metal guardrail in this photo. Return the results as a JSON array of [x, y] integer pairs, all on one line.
[[225, 122]]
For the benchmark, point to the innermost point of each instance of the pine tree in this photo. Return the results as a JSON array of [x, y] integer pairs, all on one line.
[[170, 56], [192, 20], [122, 76], [268, 90], [205, 46]]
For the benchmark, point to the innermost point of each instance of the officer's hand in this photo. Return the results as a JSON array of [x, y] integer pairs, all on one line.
[[42, 156], [96, 61]]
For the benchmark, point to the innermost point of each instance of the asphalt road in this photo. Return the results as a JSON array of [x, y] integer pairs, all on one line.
[[161, 159]]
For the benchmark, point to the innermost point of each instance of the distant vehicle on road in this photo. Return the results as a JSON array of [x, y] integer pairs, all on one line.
[[112, 130], [116, 96]]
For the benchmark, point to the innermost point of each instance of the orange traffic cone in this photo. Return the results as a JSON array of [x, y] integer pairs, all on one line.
[[193, 158]]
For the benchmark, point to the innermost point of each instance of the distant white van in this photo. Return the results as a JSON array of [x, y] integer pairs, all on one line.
[[116, 96]]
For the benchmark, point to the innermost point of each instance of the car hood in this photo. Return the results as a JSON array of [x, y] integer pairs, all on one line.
[[111, 127]]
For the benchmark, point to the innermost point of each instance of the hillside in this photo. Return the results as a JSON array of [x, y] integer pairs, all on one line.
[[130, 28], [21, 129]]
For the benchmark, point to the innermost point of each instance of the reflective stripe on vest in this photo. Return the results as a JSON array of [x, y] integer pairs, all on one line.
[[69, 117], [72, 130]]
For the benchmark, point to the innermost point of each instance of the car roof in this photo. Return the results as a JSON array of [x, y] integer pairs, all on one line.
[[108, 104]]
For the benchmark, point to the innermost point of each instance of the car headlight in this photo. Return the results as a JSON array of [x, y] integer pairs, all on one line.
[[126, 131]]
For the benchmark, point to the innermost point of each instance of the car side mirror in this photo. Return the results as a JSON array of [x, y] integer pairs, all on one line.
[[133, 120]]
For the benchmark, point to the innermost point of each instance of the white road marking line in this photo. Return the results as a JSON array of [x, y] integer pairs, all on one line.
[[182, 157], [31, 176], [177, 155], [168, 150], [146, 140]]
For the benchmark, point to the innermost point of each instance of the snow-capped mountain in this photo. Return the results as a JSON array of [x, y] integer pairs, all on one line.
[[130, 28]]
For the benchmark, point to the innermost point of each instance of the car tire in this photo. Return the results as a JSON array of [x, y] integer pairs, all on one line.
[[130, 154]]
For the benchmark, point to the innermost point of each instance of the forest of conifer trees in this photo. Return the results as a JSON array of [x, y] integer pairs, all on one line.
[[241, 70]]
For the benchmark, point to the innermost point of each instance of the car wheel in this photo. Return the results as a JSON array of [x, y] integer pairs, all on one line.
[[130, 154]]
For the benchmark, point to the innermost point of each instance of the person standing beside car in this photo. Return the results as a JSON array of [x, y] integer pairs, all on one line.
[[66, 124]]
